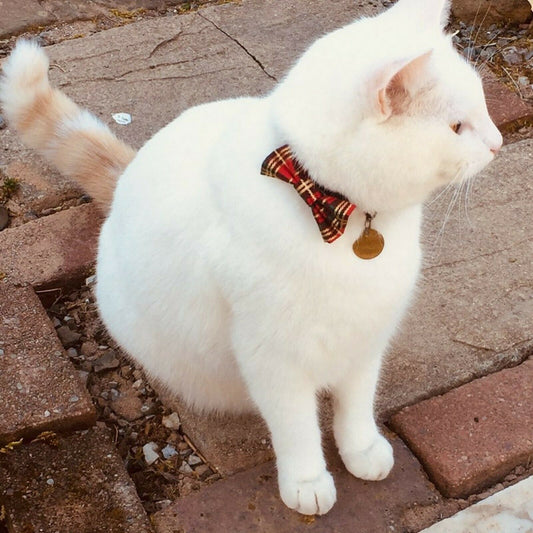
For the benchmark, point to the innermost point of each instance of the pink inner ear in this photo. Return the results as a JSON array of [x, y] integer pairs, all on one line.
[[394, 80]]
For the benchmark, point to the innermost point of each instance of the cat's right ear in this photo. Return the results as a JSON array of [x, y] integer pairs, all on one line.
[[390, 84]]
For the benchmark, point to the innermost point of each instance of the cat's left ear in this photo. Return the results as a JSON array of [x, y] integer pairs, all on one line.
[[390, 84]]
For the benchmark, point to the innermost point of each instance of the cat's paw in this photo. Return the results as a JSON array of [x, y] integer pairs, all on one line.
[[373, 464], [313, 496]]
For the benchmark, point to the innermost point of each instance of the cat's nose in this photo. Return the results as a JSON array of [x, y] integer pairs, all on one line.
[[493, 139]]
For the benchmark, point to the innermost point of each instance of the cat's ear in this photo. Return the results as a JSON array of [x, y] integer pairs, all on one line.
[[390, 84], [427, 13]]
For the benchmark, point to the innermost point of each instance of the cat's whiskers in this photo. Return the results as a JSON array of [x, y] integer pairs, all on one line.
[[450, 185], [456, 185]]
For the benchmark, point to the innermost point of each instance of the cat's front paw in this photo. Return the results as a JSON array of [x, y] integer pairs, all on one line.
[[373, 463], [310, 496]]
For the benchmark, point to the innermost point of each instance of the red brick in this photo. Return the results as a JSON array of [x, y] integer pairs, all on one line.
[[249, 502], [39, 187], [39, 387], [52, 251], [75, 483], [472, 436], [505, 106]]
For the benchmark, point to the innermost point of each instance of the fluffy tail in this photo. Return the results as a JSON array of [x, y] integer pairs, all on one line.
[[72, 139]]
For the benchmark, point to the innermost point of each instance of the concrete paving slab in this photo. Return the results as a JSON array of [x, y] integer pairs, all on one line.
[[39, 387], [472, 436], [249, 502], [510, 510], [277, 33], [64, 484], [53, 251], [154, 70]]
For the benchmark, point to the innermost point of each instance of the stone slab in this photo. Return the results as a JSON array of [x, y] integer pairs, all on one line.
[[486, 12], [75, 483], [472, 436], [510, 510], [249, 502], [51, 251], [39, 388], [277, 33], [21, 15], [154, 70], [230, 443]]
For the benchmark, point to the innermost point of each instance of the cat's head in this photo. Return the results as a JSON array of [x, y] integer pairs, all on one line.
[[385, 110]]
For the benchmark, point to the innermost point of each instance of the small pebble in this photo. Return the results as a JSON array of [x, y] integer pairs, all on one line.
[[73, 398], [47, 413], [83, 376], [19, 386], [90, 280], [106, 361], [72, 352], [194, 460], [169, 451], [67, 336], [2, 123], [172, 421], [150, 453], [1, 351], [50, 481], [185, 468]]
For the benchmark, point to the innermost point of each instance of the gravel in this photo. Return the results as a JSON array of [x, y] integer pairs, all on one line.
[[149, 437]]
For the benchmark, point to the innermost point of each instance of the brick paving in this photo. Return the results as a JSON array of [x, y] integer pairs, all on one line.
[[472, 436], [53, 251], [249, 502], [505, 106], [39, 387], [70, 483]]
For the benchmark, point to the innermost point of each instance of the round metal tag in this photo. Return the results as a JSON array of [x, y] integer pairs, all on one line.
[[369, 245]]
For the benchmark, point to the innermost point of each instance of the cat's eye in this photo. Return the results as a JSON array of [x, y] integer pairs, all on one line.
[[456, 127]]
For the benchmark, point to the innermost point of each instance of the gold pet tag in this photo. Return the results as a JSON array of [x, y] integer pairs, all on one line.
[[370, 243]]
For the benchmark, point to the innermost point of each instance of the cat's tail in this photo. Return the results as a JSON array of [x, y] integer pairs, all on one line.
[[73, 140]]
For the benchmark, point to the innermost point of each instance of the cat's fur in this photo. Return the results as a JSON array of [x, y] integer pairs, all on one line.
[[216, 279]]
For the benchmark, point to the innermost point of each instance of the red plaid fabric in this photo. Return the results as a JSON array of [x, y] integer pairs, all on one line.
[[331, 210]]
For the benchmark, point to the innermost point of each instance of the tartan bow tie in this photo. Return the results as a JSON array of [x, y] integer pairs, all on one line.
[[331, 210]]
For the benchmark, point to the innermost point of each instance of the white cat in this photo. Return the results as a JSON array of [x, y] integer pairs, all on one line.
[[224, 288]]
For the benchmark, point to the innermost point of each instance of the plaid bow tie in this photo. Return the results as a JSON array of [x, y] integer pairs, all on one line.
[[331, 210]]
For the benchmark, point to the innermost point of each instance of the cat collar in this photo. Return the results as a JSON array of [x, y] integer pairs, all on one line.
[[330, 210]]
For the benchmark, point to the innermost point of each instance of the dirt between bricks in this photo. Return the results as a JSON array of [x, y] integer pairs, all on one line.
[[161, 460]]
